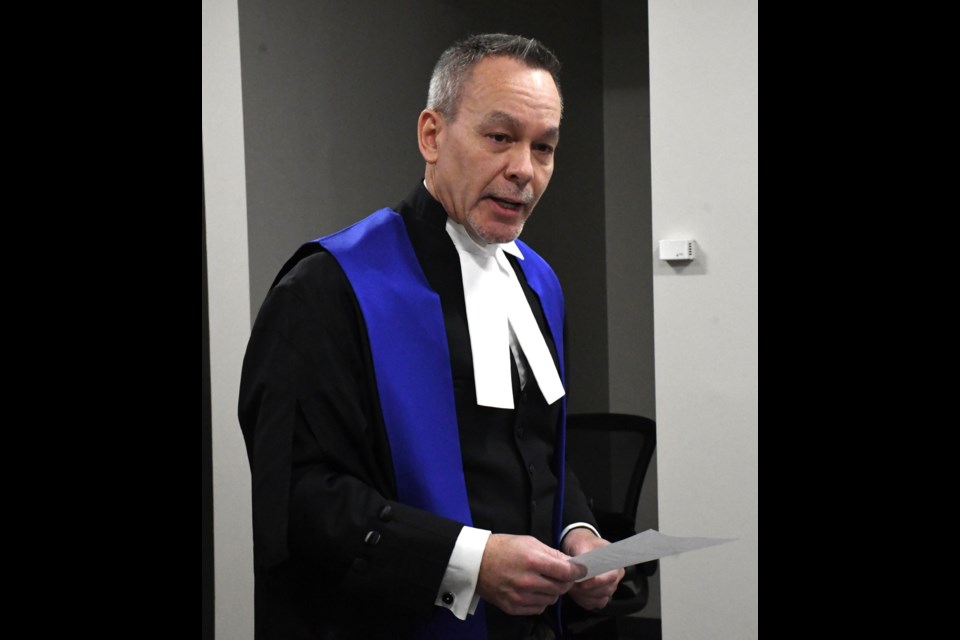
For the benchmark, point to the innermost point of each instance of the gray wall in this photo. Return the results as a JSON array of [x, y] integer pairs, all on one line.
[[331, 95], [626, 136], [228, 292], [704, 65]]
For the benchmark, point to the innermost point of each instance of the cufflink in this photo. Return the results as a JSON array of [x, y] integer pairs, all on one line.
[[447, 598]]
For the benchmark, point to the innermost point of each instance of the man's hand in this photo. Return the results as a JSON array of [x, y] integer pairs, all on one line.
[[522, 576], [596, 592]]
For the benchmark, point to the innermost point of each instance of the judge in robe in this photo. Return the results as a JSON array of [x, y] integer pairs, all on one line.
[[402, 397]]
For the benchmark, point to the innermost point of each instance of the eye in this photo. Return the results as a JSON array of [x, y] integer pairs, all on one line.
[[498, 137], [544, 149]]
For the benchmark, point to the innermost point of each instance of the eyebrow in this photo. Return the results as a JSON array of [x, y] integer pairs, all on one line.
[[504, 119]]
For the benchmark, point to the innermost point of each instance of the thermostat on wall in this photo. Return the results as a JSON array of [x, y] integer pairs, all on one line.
[[678, 249]]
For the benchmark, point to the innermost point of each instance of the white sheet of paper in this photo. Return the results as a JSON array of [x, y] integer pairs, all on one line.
[[642, 547]]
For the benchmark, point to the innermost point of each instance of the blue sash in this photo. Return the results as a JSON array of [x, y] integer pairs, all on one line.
[[411, 361]]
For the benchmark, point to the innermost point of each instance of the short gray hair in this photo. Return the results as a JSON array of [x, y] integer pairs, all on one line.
[[457, 62]]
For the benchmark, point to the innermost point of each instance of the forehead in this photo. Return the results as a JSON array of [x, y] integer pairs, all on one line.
[[499, 84]]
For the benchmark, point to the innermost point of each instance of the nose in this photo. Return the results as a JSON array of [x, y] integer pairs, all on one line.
[[520, 166]]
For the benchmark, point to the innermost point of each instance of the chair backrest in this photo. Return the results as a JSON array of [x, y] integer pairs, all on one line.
[[610, 454]]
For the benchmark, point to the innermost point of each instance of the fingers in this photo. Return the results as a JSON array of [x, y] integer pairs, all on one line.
[[522, 576], [596, 592], [590, 600], [559, 568], [607, 580], [520, 599], [581, 571]]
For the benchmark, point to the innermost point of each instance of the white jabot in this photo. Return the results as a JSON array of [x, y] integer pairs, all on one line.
[[496, 306]]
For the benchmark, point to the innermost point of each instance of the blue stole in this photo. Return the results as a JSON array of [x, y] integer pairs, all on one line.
[[411, 361]]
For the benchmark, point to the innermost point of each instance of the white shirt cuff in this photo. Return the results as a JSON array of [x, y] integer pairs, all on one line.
[[458, 589], [576, 525]]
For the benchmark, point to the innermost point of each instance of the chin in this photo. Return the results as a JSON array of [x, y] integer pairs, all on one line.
[[497, 233], [499, 236]]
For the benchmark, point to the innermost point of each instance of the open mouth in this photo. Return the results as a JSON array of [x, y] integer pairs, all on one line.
[[509, 205]]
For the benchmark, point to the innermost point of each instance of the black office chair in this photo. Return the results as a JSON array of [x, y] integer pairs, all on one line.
[[610, 454]]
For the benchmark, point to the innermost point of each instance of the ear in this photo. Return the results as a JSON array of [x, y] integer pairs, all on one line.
[[429, 129]]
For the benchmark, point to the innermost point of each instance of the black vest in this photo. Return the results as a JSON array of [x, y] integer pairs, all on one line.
[[505, 452]]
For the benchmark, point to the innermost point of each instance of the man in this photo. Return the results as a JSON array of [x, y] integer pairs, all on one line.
[[401, 397]]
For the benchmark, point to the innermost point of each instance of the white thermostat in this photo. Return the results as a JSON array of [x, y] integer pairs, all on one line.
[[678, 249]]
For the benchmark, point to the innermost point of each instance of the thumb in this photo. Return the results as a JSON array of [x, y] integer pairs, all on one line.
[[563, 569], [580, 569]]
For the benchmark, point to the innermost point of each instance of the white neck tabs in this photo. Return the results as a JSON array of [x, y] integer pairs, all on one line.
[[496, 304]]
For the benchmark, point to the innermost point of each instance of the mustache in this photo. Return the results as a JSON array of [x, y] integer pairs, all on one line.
[[525, 196]]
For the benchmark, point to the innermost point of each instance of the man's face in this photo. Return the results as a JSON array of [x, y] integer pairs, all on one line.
[[495, 159]]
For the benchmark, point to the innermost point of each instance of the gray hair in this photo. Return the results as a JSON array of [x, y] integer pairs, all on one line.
[[457, 62]]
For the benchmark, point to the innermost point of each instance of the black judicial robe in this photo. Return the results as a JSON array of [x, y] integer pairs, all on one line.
[[336, 556]]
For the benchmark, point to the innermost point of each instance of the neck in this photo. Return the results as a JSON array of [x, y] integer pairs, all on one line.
[[431, 189]]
